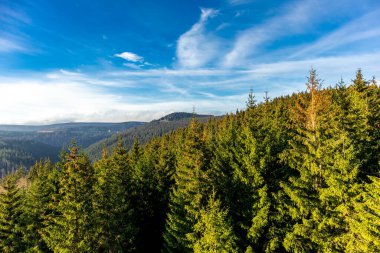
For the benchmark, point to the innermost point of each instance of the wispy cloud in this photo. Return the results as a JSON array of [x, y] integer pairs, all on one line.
[[197, 47], [365, 29], [76, 77], [12, 16], [130, 57], [11, 40], [217, 60], [144, 95], [295, 17], [11, 44]]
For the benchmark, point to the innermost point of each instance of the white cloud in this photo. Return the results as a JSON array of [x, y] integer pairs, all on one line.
[[12, 16], [23, 101], [11, 39], [118, 96], [358, 30], [326, 66], [11, 44], [132, 65], [70, 76], [294, 18], [197, 47], [130, 57], [45, 101]]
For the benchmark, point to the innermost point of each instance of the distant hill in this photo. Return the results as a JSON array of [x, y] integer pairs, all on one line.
[[182, 115], [61, 135], [16, 153], [144, 132], [22, 145]]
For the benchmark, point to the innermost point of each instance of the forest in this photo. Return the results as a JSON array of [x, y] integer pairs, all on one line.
[[22, 145], [298, 173]]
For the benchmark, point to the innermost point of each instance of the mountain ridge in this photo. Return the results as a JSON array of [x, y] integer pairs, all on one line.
[[145, 132]]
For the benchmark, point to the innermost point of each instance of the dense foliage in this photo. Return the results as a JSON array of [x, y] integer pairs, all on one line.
[[292, 174], [144, 133], [16, 153], [22, 145]]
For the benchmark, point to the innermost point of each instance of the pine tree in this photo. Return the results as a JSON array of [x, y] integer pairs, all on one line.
[[306, 157], [43, 186], [373, 116], [113, 212], [11, 216], [189, 192], [213, 231], [148, 199], [327, 163], [251, 176], [73, 228], [359, 83], [365, 223], [251, 102], [226, 173]]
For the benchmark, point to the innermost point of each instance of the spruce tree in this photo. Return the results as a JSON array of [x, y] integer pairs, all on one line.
[[39, 210], [148, 198], [365, 223], [373, 147], [226, 173], [113, 212], [327, 162], [213, 231], [305, 155], [251, 175], [11, 216], [251, 102], [359, 83], [189, 192], [72, 229]]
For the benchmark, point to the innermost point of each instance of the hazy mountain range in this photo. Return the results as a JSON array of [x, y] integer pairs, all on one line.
[[22, 145]]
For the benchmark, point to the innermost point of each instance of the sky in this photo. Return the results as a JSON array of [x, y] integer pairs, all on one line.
[[117, 61]]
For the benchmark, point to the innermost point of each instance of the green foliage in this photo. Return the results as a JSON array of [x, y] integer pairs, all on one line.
[[11, 216], [72, 227], [365, 222], [213, 231], [23, 145], [298, 173], [43, 186], [189, 192], [115, 227], [143, 133]]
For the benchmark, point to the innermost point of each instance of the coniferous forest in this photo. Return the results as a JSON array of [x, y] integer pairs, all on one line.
[[298, 173]]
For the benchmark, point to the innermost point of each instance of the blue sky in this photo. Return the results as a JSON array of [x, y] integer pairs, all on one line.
[[112, 61]]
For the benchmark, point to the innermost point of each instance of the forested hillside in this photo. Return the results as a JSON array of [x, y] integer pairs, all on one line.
[[298, 173], [61, 135], [22, 145], [23, 153], [144, 133]]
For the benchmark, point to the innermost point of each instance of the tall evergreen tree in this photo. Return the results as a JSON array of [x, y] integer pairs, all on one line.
[[113, 212], [365, 223], [149, 201], [43, 186], [251, 102], [226, 173], [306, 156], [359, 83], [73, 228], [213, 231], [11, 216], [327, 162], [189, 192]]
